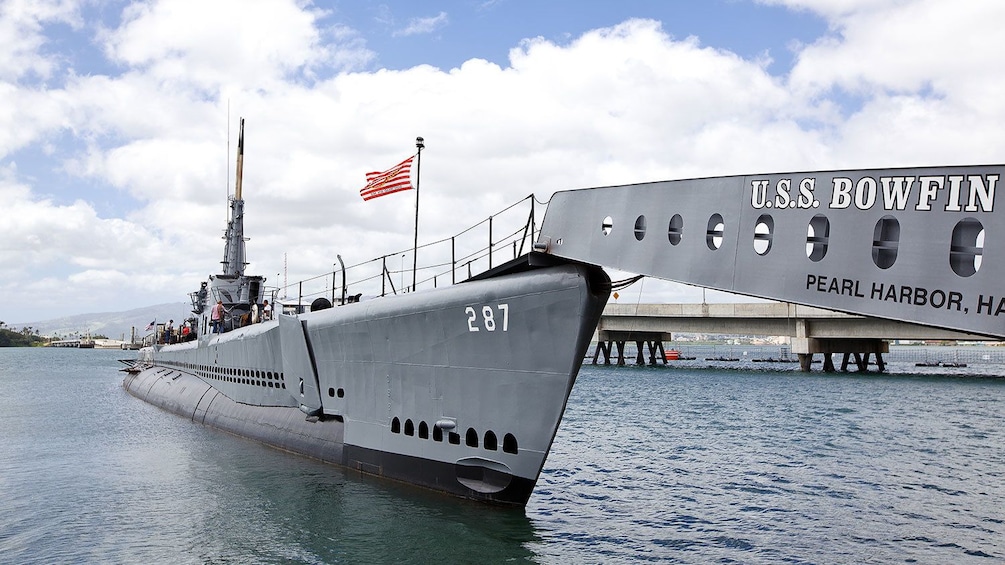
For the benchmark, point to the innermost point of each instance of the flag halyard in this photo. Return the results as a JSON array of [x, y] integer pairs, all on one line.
[[395, 179]]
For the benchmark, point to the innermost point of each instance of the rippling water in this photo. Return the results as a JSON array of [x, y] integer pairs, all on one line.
[[687, 464]]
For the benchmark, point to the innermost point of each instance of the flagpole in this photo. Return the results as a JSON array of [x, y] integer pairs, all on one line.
[[418, 171]]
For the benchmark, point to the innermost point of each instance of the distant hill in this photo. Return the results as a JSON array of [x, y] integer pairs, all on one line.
[[115, 325]]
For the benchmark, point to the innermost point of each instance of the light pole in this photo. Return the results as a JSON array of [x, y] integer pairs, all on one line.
[[420, 144]]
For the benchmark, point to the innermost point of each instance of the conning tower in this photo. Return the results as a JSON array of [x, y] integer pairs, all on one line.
[[237, 291]]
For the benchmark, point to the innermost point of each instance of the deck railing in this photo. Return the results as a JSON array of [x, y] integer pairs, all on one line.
[[505, 235]]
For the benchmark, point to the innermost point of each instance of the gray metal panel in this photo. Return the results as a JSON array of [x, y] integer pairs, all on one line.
[[431, 355], [301, 379], [244, 364], [284, 428], [918, 286]]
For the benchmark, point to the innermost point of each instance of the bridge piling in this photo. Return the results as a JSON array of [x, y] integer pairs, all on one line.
[[809, 331], [859, 348], [608, 339]]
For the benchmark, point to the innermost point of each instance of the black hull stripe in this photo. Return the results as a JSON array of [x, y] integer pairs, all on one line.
[[434, 475]]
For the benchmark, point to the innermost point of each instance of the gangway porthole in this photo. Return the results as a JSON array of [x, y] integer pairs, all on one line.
[[713, 235], [640, 228], [676, 229], [607, 226], [763, 232], [818, 234], [885, 242], [966, 252]]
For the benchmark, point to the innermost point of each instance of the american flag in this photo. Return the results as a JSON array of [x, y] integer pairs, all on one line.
[[151, 325], [395, 179]]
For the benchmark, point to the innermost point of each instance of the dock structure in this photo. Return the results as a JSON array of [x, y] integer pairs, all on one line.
[[78, 342], [810, 330], [65, 343], [89, 343]]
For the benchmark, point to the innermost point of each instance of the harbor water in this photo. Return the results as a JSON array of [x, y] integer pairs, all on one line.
[[694, 462]]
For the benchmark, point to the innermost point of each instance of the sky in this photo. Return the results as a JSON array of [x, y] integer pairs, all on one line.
[[118, 120]]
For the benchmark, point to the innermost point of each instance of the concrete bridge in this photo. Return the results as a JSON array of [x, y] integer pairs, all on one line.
[[810, 330]]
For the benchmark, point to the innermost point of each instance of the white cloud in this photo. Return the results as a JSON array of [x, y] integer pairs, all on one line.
[[418, 26], [901, 47], [923, 73], [49, 251], [208, 46], [28, 115], [618, 105], [28, 110], [22, 36]]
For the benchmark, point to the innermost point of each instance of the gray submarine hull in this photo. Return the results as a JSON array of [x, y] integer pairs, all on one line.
[[459, 390]]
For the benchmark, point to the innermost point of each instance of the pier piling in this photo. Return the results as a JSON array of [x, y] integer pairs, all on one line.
[[608, 339]]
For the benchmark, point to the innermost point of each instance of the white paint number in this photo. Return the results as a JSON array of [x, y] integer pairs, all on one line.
[[488, 318]]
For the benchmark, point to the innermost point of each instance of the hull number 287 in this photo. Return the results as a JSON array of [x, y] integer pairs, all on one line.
[[488, 318]]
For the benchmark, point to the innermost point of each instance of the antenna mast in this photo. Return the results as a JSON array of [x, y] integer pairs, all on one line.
[[234, 251], [240, 162]]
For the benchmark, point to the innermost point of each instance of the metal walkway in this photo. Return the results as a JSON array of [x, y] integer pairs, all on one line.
[[918, 245]]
